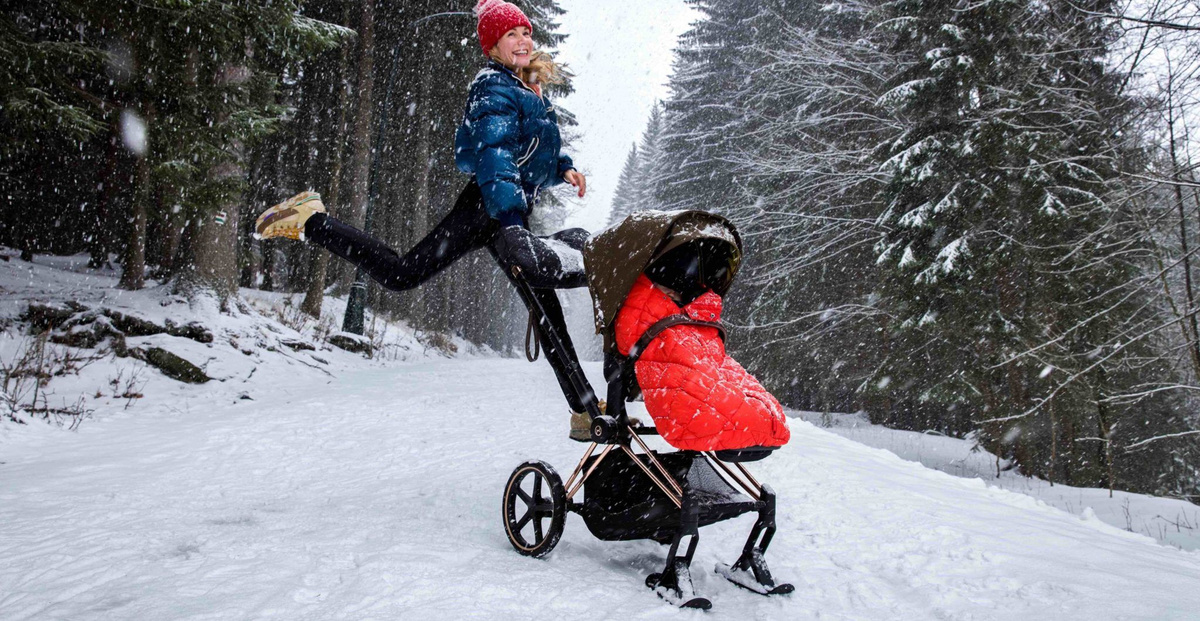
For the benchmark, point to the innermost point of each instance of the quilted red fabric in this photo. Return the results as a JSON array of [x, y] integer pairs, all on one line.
[[700, 398]]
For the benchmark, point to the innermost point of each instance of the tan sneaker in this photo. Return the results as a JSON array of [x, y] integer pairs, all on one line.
[[581, 424], [287, 218], [581, 427]]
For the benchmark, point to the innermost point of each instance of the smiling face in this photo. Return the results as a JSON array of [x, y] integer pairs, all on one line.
[[514, 48]]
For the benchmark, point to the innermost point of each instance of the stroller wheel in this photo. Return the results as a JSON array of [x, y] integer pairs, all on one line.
[[535, 508]]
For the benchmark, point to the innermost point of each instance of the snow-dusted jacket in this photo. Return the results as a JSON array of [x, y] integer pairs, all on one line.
[[509, 140], [700, 398]]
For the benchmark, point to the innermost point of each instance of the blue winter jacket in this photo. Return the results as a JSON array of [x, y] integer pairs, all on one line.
[[509, 140]]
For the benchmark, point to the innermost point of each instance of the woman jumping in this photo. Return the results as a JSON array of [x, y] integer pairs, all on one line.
[[510, 143]]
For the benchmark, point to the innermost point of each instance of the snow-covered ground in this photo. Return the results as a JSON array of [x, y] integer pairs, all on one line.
[[356, 489], [376, 495], [1170, 521]]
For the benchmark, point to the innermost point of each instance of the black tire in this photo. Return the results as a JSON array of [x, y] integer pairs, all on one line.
[[534, 494]]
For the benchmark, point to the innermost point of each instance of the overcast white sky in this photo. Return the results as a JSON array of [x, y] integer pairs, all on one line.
[[620, 53]]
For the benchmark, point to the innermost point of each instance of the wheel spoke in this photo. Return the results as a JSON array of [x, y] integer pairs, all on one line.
[[523, 521], [537, 485], [537, 529], [523, 495]]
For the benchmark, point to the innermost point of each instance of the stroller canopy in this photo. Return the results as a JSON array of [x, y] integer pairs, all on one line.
[[615, 257]]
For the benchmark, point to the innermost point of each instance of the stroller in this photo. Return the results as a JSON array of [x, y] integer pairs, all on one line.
[[622, 488]]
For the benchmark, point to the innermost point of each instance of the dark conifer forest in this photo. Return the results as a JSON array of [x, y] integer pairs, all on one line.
[[153, 133]]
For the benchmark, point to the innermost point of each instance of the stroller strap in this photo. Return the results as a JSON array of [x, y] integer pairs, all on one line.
[[529, 334], [669, 321]]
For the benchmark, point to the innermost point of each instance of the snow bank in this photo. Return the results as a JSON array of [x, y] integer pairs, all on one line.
[[259, 334], [1169, 521]]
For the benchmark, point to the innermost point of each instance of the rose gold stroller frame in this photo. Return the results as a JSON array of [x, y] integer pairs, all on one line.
[[660, 477]]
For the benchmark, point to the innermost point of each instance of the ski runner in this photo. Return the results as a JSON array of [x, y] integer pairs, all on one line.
[[510, 143]]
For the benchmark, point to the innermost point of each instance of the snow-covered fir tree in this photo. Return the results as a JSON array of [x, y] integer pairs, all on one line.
[[1010, 266], [812, 182], [706, 124], [636, 186], [625, 198], [167, 97]]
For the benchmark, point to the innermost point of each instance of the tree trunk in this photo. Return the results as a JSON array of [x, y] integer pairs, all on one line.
[[267, 247], [360, 161], [319, 259], [170, 233], [98, 243], [1053, 442], [263, 178], [418, 222], [1104, 423], [885, 416], [133, 274], [214, 264], [1189, 312]]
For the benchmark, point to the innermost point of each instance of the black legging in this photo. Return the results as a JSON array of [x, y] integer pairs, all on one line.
[[469, 227]]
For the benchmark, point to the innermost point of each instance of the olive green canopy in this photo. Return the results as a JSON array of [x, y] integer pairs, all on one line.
[[615, 257]]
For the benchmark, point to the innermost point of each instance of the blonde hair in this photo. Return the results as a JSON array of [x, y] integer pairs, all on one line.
[[541, 70]]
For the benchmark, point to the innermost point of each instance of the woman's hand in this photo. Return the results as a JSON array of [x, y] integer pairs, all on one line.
[[576, 178]]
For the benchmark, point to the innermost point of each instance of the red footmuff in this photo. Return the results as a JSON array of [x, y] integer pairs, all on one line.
[[700, 398]]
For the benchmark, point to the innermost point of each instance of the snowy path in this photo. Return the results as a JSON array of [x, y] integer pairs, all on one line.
[[377, 497]]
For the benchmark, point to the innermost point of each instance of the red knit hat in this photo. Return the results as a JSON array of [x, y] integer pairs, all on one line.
[[497, 17]]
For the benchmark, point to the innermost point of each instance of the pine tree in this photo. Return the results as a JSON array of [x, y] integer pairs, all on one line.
[[1006, 233], [650, 161], [45, 116], [709, 120], [939, 230], [711, 123], [811, 180], [37, 82], [185, 86], [625, 199]]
